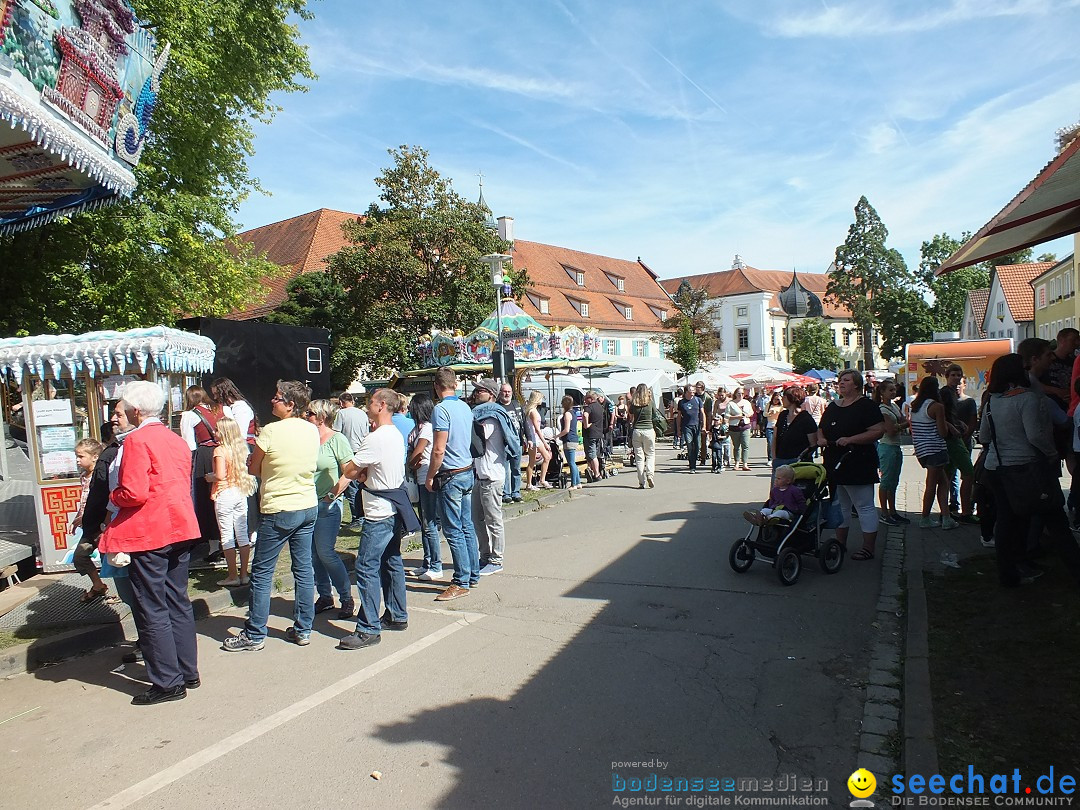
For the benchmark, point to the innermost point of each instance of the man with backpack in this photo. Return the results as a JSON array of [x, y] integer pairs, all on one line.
[[495, 444]]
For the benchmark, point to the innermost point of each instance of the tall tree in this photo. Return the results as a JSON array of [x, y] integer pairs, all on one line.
[[813, 346], [903, 317], [684, 351], [414, 264], [166, 252], [696, 313], [950, 290], [864, 268]]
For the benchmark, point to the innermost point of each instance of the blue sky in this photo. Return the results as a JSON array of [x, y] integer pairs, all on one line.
[[684, 131]]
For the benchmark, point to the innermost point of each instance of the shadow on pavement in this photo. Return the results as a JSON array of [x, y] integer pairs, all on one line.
[[684, 663]]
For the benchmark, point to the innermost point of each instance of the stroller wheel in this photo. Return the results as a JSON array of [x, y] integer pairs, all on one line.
[[741, 556], [788, 567], [831, 556]]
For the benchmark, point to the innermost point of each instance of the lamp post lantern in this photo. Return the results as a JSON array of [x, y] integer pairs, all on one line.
[[494, 262]]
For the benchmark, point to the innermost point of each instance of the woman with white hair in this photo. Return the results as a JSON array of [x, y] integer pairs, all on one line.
[[154, 527]]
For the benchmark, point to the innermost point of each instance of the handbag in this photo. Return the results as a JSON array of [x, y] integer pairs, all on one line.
[[832, 514], [660, 424], [1030, 488]]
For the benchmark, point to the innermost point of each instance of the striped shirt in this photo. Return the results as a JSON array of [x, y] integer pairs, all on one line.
[[924, 432]]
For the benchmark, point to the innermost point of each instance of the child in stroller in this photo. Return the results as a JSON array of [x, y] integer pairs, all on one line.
[[720, 444], [785, 500]]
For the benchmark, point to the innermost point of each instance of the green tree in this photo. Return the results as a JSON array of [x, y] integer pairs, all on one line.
[[167, 251], [813, 346], [684, 349], [904, 317], [863, 269], [414, 264], [950, 290], [695, 313]]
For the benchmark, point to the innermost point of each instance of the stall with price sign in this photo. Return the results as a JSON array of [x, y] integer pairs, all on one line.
[[60, 389]]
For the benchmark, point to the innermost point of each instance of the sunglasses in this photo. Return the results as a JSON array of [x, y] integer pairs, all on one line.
[[276, 399], [309, 414]]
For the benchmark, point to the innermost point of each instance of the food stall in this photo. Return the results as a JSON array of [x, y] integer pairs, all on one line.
[[61, 388]]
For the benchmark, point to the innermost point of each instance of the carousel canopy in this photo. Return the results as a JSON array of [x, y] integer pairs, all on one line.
[[169, 350], [78, 84], [515, 321]]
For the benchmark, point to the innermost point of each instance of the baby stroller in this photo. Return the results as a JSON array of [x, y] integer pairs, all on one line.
[[784, 542]]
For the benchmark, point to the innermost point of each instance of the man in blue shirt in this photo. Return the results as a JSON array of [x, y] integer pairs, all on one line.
[[452, 467], [403, 422], [690, 416]]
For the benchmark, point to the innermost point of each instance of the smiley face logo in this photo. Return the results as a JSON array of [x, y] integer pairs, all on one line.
[[861, 783]]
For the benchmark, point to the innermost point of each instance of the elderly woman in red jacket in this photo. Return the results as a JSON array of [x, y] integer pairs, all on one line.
[[155, 526]]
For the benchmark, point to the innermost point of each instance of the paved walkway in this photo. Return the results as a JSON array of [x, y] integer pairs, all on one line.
[[618, 643]]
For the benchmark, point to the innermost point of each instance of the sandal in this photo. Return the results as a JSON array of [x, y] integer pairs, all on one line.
[[93, 594], [862, 554]]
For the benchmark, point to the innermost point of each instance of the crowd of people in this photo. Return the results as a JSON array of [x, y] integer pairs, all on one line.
[[438, 465]]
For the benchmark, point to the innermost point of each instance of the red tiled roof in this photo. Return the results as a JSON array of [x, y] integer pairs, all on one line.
[[1015, 282], [552, 272], [979, 299], [298, 245], [738, 281]]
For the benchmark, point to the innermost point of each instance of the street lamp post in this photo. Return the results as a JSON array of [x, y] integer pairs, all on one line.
[[495, 264]]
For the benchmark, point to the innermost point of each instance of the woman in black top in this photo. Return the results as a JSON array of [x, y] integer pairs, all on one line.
[[849, 430], [794, 429]]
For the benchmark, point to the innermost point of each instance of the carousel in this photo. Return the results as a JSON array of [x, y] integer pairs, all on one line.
[[535, 347], [59, 389]]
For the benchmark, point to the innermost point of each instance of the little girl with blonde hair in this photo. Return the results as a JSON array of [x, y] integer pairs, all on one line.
[[232, 486]]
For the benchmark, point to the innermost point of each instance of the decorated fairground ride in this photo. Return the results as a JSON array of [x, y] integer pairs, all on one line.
[[534, 347], [59, 389], [78, 85]]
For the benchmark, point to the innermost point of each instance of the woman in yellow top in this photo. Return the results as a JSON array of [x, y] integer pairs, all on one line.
[[285, 456]]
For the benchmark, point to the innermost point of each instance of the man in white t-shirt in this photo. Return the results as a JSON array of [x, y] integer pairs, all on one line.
[[380, 465], [490, 471]]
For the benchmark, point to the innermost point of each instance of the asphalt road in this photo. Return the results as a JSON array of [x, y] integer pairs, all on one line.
[[616, 639]]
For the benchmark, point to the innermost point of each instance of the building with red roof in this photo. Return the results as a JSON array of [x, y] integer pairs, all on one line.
[[1010, 307], [757, 310]]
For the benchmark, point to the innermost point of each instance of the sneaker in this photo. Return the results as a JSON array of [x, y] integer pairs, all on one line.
[[490, 568], [324, 603], [229, 582], [242, 643], [357, 641], [453, 592], [969, 519], [157, 695], [947, 522], [900, 519], [754, 517], [517, 499], [987, 542], [348, 608], [929, 523], [215, 558], [133, 657], [651, 483], [888, 520], [297, 638], [431, 576], [389, 624]]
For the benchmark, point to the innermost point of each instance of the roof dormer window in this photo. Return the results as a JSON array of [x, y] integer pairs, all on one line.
[[579, 277], [620, 283], [629, 313], [545, 306], [583, 308]]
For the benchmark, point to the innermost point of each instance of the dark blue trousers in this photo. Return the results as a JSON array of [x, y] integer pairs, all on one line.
[[163, 614]]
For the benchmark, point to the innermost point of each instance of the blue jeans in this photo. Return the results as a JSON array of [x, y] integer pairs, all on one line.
[[512, 485], [352, 496], [429, 529], [571, 458], [329, 568], [275, 530], [379, 568], [769, 432], [691, 436], [455, 514]]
